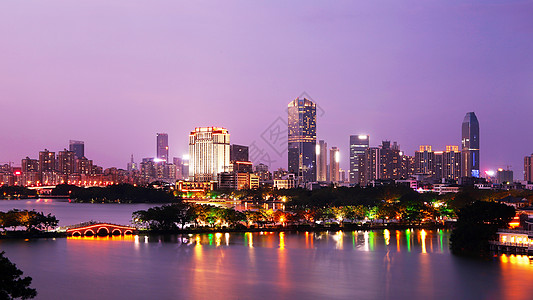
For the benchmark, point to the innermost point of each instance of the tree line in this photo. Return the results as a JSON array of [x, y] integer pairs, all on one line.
[[30, 220]]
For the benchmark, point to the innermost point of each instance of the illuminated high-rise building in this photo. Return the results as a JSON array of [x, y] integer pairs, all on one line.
[[334, 162], [425, 160], [66, 162], [470, 146], [209, 151], [132, 166], [451, 163], [385, 162], [358, 146], [47, 161], [322, 161], [162, 147], [78, 147], [302, 139]]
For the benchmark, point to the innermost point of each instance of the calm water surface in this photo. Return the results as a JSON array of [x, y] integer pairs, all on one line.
[[382, 264]]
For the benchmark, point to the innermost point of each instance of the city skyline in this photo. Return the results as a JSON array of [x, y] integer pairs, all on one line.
[[394, 72]]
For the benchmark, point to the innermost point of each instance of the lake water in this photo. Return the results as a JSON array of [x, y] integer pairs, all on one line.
[[381, 264]]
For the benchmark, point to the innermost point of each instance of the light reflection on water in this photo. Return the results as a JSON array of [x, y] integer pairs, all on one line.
[[381, 264], [399, 241]]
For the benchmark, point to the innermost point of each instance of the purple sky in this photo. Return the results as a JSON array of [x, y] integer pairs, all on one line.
[[113, 73]]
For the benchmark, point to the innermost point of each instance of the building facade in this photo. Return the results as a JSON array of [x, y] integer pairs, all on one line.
[[470, 146], [451, 163], [162, 147], [358, 146], [302, 139], [209, 151], [528, 169], [238, 153], [322, 161], [78, 147], [334, 164]]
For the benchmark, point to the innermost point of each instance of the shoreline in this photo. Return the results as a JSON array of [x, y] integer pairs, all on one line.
[[292, 228]]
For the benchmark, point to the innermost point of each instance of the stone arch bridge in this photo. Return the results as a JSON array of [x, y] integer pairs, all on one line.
[[102, 229]]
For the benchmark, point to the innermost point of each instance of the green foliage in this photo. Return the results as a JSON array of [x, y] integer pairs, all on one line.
[[12, 285], [29, 219], [478, 223]]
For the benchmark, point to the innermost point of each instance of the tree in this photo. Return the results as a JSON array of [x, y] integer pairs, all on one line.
[[476, 225], [12, 286]]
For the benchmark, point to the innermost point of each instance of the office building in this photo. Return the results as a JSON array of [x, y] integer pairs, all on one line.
[[358, 146], [504, 176], [334, 161], [132, 166], [528, 168], [238, 153], [261, 170], [78, 147], [385, 162], [322, 161], [302, 139], [470, 146], [209, 151], [162, 147]]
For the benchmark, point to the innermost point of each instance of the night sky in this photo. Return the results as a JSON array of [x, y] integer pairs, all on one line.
[[114, 73]]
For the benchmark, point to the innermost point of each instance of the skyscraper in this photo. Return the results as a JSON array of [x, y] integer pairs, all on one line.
[[132, 166], [66, 162], [358, 145], [302, 139], [47, 161], [425, 160], [470, 146], [334, 161], [162, 147], [528, 168], [322, 161], [208, 153], [385, 162], [78, 147], [451, 163]]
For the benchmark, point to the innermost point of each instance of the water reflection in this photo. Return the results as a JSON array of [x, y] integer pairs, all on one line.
[[386, 234], [423, 238], [367, 241], [277, 265]]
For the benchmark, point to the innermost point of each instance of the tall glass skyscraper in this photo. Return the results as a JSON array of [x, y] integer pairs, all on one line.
[[470, 146], [302, 139], [358, 146], [162, 147]]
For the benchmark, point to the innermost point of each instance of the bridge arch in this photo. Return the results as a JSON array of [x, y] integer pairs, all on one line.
[[128, 232], [76, 233], [102, 231], [116, 231], [88, 232]]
